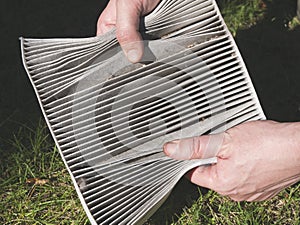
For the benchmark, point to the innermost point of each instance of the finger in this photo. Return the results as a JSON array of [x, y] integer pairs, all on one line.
[[194, 148], [127, 24], [107, 19], [204, 176]]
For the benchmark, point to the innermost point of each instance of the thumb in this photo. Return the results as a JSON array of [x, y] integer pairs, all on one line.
[[200, 147], [128, 20]]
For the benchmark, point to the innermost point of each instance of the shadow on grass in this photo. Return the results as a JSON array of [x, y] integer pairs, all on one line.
[[272, 55]]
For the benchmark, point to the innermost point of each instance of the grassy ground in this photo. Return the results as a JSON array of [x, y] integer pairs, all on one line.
[[241, 14], [35, 187], [211, 208]]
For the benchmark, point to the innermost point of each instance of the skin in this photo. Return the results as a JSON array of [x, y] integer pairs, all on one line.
[[124, 15], [256, 160]]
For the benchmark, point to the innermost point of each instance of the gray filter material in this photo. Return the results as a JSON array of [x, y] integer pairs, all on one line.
[[110, 118]]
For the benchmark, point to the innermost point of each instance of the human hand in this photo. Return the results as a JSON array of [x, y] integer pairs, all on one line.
[[256, 160], [125, 16]]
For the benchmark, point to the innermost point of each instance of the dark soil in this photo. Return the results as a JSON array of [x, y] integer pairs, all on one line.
[[37, 19], [272, 55]]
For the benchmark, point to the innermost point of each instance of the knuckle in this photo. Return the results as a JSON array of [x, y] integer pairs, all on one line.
[[226, 146], [227, 140], [196, 147]]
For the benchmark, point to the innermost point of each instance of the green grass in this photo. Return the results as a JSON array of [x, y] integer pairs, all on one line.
[[293, 23], [241, 14], [212, 208], [33, 155]]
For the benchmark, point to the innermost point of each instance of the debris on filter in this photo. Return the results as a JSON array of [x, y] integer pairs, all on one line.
[[81, 182]]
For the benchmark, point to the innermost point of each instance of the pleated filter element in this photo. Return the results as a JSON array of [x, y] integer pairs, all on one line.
[[110, 118]]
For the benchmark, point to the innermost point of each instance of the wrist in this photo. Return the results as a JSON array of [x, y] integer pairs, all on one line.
[[294, 139], [291, 146]]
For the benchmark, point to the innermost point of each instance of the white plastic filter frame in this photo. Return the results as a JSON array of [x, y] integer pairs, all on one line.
[[110, 118]]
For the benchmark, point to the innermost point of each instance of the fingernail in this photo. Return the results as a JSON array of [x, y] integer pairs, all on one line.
[[133, 55], [171, 148]]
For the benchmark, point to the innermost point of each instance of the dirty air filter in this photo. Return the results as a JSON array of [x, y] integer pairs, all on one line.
[[110, 118]]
